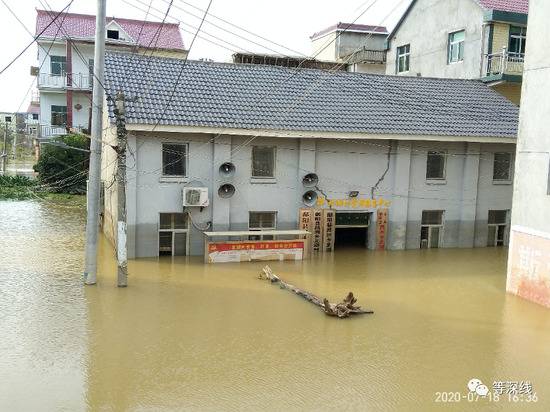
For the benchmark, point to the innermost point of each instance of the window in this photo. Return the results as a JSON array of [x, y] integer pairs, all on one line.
[[516, 43], [259, 221], [403, 58], [502, 166], [456, 46], [497, 227], [173, 234], [35, 116], [431, 229], [174, 159], [435, 165], [112, 34], [58, 65], [263, 161], [59, 115], [91, 69], [7, 119]]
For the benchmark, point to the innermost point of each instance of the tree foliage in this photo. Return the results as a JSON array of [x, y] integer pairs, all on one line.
[[62, 168]]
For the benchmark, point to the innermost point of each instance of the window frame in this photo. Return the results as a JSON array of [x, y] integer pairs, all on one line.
[[444, 174], [522, 41], [429, 226], [262, 229], [173, 231], [495, 227], [508, 179], [35, 116], [186, 160], [451, 44], [52, 112], [406, 56], [61, 64], [274, 170]]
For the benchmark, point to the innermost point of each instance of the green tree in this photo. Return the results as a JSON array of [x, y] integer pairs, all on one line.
[[62, 167]]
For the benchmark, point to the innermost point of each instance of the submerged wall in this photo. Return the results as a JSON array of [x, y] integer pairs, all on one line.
[[466, 194], [528, 263]]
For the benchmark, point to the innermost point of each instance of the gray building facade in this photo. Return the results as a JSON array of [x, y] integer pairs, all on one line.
[[442, 175]]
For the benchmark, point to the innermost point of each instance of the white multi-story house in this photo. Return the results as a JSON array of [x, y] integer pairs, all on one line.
[[66, 57], [465, 39]]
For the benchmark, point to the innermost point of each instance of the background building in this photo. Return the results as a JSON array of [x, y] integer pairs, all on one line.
[[467, 39], [437, 152], [66, 56], [529, 258], [359, 47]]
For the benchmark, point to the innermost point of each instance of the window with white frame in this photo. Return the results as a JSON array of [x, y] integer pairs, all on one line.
[[261, 221], [174, 159], [431, 229], [502, 167], [173, 234], [517, 41], [58, 65], [435, 165], [403, 58], [263, 161], [456, 46], [58, 115], [497, 220]]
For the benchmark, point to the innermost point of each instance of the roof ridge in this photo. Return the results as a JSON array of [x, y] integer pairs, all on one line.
[[54, 13]]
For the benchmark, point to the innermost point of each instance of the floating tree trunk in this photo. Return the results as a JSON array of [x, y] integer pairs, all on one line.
[[342, 310]]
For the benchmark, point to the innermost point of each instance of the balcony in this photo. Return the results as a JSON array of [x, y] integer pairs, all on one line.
[[73, 81], [365, 55], [47, 132], [503, 66]]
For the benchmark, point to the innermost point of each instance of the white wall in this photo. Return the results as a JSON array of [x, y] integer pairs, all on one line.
[[427, 28]]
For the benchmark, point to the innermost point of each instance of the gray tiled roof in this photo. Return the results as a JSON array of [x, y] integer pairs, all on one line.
[[258, 97]]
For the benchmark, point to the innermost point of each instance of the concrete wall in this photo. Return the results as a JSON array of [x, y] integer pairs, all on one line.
[[345, 44], [427, 29], [343, 166], [528, 268]]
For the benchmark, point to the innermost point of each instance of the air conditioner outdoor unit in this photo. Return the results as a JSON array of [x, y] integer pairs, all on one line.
[[195, 196]]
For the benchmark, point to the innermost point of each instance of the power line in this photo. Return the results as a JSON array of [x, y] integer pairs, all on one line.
[[36, 37]]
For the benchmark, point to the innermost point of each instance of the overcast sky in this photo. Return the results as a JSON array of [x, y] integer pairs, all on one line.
[[286, 22]]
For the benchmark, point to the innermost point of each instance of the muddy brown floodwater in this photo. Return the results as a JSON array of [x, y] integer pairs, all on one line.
[[188, 336]]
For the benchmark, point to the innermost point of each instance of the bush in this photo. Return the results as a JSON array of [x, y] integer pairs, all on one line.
[[64, 170], [16, 187]]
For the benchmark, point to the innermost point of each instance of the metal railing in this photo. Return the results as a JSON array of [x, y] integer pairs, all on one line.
[[67, 80], [502, 63], [49, 131]]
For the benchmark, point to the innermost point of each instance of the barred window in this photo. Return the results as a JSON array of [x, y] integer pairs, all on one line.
[[435, 165], [502, 166], [263, 161], [174, 159]]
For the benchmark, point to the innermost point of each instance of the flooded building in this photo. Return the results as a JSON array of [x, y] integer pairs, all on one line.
[[438, 154], [528, 260]]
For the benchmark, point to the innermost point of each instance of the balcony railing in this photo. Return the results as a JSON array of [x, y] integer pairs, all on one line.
[[65, 81], [47, 131], [365, 55], [497, 64]]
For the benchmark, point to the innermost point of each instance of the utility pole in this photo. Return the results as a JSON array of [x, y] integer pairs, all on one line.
[[94, 176], [4, 154], [122, 248]]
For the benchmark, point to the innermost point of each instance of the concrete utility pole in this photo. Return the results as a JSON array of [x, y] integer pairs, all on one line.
[[94, 177], [4, 155], [122, 248]]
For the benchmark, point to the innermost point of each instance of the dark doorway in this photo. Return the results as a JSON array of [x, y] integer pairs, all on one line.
[[351, 229], [350, 237]]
